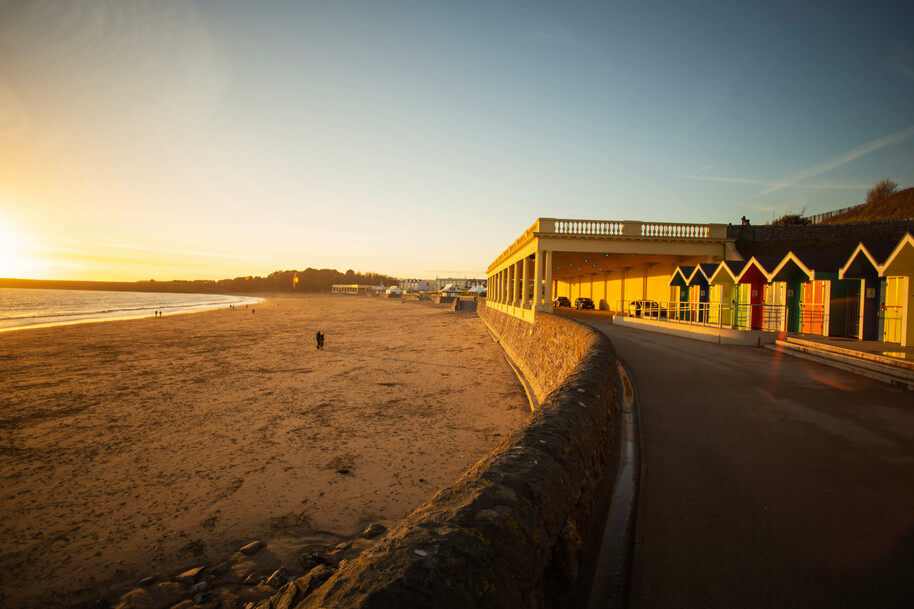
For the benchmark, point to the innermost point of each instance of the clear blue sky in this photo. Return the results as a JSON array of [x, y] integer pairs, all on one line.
[[215, 138]]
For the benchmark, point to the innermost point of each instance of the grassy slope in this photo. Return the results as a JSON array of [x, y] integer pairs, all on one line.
[[899, 206]]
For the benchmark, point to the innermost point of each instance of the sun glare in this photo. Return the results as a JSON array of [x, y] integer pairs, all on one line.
[[14, 260]]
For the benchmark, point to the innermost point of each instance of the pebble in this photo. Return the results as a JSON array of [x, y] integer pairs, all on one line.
[[251, 549], [373, 530], [278, 578], [251, 580], [190, 576]]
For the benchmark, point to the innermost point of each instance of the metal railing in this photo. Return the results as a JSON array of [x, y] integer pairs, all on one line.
[[740, 316], [813, 318]]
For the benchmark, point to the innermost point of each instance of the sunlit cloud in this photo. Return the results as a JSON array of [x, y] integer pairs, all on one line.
[[777, 184]]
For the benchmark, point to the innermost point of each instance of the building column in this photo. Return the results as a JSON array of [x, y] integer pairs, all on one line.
[[525, 284], [504, 286], [548, 295], [506, 297], [515, 284], [537, 280]]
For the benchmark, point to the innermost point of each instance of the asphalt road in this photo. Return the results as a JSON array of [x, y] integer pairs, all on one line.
[[770, 481]]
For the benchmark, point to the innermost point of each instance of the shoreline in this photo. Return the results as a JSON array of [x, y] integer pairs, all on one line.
[[115, 316]]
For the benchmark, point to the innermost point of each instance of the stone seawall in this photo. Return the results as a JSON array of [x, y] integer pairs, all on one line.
[[754, 240], [546, 352], [513, 530]]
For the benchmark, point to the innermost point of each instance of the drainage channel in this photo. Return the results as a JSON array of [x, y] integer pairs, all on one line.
[[610, 586]]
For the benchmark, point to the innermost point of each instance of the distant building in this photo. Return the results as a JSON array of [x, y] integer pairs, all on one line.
[[414, 285], [441, 282], [351, 289]]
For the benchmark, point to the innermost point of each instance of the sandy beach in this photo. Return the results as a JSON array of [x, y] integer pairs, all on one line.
[[139, 448]]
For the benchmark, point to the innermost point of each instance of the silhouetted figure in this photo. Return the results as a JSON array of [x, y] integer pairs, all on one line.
[[320, 339]]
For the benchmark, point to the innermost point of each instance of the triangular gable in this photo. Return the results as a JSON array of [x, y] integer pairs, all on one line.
[[791, 261], [901, 260], [866, 258], [812, 265], [758, 268], [701, 275], [727, 270], [680, 276]]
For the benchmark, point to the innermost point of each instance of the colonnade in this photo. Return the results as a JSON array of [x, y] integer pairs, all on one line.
[[511, 286]]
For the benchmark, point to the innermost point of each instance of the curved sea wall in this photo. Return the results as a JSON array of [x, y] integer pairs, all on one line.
[[511, 531]]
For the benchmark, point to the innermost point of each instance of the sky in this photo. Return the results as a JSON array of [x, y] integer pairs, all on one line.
[[214, 139]]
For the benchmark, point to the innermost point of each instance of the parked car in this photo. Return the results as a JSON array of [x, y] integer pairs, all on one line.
[[583, 303], [646, 308], [561, 301]]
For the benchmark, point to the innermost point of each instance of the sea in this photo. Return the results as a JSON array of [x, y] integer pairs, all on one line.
[[28, 308]]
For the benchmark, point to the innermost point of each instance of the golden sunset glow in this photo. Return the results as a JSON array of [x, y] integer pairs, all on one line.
[[14, 253]]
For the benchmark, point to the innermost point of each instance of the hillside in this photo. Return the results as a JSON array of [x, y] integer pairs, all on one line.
[[899, 206]]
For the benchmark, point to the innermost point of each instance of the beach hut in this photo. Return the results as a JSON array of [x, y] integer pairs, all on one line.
[[864, 264], [699, 292], [817, 300], [722, 285], [679, 293], [751, 286], [898, 307]]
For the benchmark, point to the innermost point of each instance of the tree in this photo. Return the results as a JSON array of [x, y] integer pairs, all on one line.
[[792, 218], [883, 188]]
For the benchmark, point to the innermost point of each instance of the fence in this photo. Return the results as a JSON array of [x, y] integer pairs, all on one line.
[[819, 218], [738, 316]]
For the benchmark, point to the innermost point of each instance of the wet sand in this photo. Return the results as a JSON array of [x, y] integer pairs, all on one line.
[[141, 447]]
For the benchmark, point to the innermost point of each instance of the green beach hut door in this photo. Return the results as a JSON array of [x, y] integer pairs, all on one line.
[[893, 309]]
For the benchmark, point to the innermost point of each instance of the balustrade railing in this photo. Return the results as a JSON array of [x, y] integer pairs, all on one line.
[[589, 227], [683, 231], [616, 228]]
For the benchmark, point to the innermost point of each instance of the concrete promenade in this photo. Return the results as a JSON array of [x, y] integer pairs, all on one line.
[[770, 481]]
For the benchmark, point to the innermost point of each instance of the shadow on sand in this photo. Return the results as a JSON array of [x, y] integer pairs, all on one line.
[[394, 359]]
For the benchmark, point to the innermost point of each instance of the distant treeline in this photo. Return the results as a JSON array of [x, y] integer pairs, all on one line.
[[309, 280]]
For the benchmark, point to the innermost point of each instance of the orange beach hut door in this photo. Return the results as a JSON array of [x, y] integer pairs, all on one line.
[[893, 309], [813, 307]]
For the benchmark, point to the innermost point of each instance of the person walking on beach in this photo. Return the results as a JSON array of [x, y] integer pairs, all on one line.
[[320, 339]]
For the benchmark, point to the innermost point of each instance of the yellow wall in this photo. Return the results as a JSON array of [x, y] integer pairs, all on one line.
[[599, 292], [614, 290], [658, 282], [608, 289], [634, 284]]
